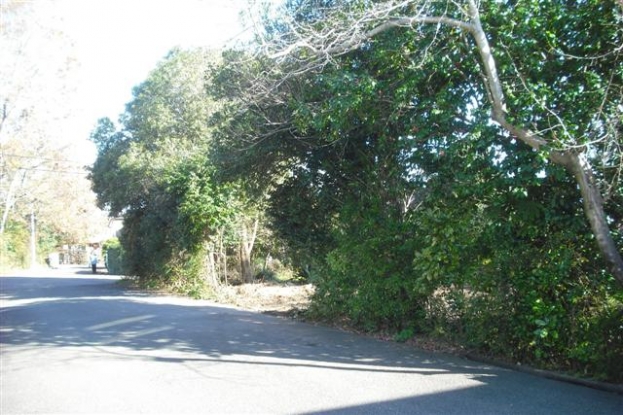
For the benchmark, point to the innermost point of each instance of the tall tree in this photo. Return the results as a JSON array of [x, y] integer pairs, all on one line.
[[38, 168], [156, 171]]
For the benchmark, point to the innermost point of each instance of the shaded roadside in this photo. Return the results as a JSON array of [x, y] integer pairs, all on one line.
[[290, 301], [72, 336]]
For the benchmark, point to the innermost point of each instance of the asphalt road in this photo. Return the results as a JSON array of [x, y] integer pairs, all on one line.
[[75, 343]]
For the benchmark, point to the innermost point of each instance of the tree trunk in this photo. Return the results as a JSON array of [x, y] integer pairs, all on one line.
[[575, 163], [222, 256], [594, 211], [246, 247], [211, 274], [16, 182], [246, 271]]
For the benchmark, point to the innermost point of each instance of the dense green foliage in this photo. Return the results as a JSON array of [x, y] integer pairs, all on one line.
[[384, 181], [15, 244], [112, 251], [169, 201], [418, 215], [183, 227]]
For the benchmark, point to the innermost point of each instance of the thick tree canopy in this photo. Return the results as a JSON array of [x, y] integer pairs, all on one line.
[[160, 155], [562, 98], [443, 159]]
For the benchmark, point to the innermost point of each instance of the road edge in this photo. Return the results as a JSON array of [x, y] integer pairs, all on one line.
[[593, 384]]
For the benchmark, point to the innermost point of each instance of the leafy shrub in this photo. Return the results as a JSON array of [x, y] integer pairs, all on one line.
[[368, 277], [14, 245], [113, 254], [186, 275]]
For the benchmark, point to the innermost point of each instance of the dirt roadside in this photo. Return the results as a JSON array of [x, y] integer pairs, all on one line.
[[279, 299], [290, 301]]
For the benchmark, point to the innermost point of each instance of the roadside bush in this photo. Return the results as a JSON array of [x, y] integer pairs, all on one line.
[[368, 277], [187, 276], [597, 348], [14, 246], [540, 297], [113, 254]]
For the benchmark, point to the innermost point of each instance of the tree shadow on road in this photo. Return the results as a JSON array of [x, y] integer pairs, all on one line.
[[97, 314]]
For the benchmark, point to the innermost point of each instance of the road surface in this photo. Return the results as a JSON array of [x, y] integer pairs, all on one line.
[[77, 343]]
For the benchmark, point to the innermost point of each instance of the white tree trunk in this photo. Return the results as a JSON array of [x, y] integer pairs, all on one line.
[[211, 273], [247, 241], [575, 163], [594, 211], [16, 182]]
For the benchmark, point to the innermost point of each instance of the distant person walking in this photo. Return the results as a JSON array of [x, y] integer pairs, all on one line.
[[94, 258]]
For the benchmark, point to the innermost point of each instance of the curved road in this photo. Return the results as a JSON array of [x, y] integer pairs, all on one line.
[[76, 343]]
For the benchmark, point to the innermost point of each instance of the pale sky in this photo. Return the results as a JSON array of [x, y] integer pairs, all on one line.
[[119, 41], [116, 43]]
